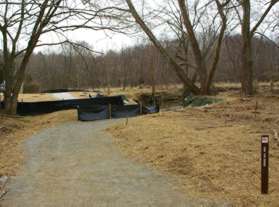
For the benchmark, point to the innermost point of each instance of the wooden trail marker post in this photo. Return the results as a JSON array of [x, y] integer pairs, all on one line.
[[264, 164]]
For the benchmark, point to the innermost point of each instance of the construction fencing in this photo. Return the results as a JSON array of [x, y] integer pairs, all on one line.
[[91, 109], [94, 113], [43, 107]]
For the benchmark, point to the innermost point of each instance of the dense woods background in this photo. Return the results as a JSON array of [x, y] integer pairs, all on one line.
[[138, 65]]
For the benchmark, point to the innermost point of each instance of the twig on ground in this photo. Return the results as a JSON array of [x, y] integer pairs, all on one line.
[[3, 183], [2, 194]]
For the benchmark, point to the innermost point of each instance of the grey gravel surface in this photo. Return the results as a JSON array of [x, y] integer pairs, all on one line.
[[76, 164]]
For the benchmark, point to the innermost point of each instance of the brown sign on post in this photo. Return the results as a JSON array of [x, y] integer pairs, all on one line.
[[264, 163]]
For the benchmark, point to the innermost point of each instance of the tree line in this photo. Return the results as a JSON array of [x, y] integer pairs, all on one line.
[[200, 30], [140, 65]]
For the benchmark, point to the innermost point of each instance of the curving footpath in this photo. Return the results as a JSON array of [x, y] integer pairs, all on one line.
[[77, 165]]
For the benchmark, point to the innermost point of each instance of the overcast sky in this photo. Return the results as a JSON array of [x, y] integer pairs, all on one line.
[[101, 41], [104, 41]]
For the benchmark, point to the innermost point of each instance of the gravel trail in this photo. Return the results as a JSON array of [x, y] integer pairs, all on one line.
[[76, 164]]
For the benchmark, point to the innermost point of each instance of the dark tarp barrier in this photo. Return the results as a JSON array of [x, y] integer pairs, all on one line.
[[151, 109], [105, 100], [93, 113], [125, 111], [35, 108]]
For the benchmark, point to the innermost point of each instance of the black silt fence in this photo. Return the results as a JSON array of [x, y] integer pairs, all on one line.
[[151, 109], [94, 113], [36, 108], [125, 111]]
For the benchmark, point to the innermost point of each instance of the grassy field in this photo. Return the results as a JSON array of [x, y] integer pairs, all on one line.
[[213, 151]]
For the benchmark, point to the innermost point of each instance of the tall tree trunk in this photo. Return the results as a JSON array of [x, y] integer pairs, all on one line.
[[201, 67], [14, 80], [203, 81], [10, 103], [153, 69], [218, 49], [178, 70], [246, 73], [10, 98]]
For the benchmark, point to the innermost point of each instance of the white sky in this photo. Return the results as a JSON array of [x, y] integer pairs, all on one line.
[[99, 40]]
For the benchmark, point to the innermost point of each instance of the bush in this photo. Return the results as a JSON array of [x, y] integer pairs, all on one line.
[[196, 101]]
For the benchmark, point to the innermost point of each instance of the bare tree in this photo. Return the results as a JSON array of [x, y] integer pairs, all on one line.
[[24, 22], [248, 29], [204, 72]]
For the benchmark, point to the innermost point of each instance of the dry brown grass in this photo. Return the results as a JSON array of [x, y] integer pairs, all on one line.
[[82, 95], [13, 130], [48, 96], [35, 97], [135, 92], [214, 152]]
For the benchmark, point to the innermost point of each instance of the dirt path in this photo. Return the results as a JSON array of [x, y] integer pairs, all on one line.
[[76, 164]]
